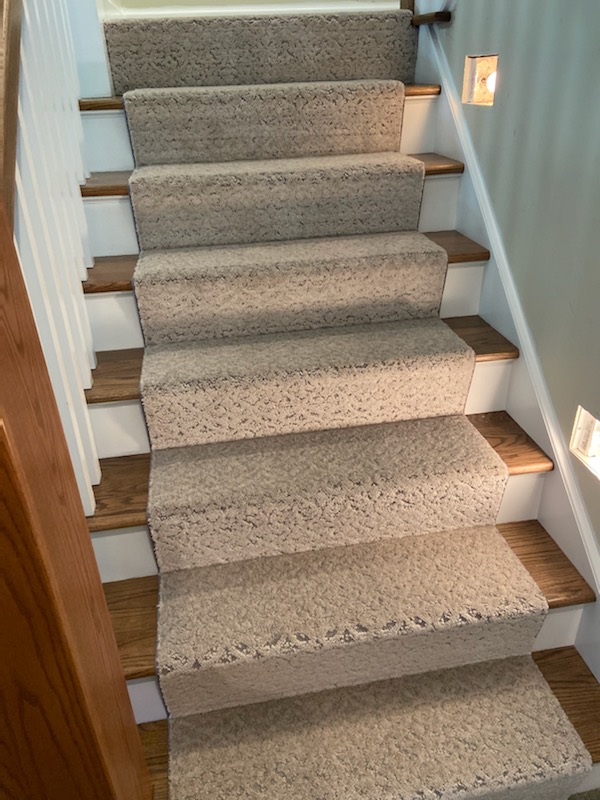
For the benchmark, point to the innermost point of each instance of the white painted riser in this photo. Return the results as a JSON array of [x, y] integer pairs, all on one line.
[[115, 322], [107, 146], [112, 230], [119, 428], [559, 630]]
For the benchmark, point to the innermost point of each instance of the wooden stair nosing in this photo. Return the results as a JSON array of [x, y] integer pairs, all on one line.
[[116, 183], [115, 103], [434, 18], [565, 671], [132, 603], [117, 374], [115, 273], [122, 495]]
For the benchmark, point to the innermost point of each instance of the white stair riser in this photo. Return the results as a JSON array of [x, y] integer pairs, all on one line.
[[559, 630], [119, 428], [115, 323], [127, 552], [107, 146], [112, 229]]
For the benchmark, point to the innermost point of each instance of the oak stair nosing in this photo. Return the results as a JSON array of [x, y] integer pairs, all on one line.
[[115, 273], [116, 183], [122, 494], [115, 102], [434, 18], [133, 603], [117, 374]]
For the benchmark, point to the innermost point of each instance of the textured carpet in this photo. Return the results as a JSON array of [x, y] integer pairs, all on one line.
[[214, 51], [188, 205], [231, 123], [224, 389], [320, 507], [480, 731], [250, 631], [241, 290], [241, 500]]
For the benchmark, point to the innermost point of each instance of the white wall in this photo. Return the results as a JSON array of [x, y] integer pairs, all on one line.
[[539, 151]]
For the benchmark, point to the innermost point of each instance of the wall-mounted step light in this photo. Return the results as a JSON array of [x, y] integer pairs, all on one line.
[[585, 441], [479, 80]]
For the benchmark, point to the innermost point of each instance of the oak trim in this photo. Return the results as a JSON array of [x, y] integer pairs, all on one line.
[[12, 13]]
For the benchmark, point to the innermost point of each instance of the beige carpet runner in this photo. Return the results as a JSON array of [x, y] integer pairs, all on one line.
[[338, 616]]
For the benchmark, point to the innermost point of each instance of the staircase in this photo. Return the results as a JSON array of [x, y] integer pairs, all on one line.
[[351, 578]]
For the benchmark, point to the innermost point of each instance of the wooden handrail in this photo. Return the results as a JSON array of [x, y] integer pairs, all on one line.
[[70, 729], [12, 12], [436, 17]]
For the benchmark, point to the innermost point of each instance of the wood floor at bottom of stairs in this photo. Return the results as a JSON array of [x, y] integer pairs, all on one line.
[[564, 669]]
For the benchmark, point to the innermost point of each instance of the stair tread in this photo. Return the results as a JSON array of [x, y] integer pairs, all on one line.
[[133, 603], [513, 445], [110, 274], [115, 103], [304, 352], [122, 495], [117, 375], [116, 183], [459, 247], [577, 690], [390, 739], [556, 576], [155, 52], [565, 671], [293, 624], [242, 290], [115, 273], [192, 124]]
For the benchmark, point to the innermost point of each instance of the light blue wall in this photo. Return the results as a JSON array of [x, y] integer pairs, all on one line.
[[539, 149]]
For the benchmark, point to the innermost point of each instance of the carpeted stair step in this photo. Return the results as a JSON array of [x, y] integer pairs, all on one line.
[[216, 51], [261, 497], [239, 290], [491, 730], [190, 205], [293, 624], [221, 389], [289, 120]]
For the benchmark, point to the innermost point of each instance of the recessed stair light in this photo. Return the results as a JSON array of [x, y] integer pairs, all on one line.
[[479, 80], [585, 440]]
